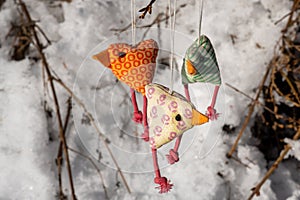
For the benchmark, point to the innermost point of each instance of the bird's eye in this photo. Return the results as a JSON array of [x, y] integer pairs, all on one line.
[[178, 117], [122, 54]]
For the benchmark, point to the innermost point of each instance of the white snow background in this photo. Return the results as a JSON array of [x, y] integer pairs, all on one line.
[[81, 28]]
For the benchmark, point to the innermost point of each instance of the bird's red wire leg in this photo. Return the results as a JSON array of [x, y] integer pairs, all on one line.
[[173, 153], [211, 112], [137, 115], [145, 135], [186, 91], [164, 183]]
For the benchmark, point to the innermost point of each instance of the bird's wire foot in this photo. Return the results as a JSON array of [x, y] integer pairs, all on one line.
[[138, 117], [164, 184], [212, 114], [172, 156]]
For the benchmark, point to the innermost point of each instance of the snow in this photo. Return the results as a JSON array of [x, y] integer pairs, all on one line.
[[29, 139], [24, 151], [295, 151]]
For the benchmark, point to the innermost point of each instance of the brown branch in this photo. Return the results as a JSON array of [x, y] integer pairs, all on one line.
[[147, 9], [158, 19], [95, 166], [282, 18], [290, 20], [101, 135], [46, 66], [256, 189], [285, 50], [59, 157], [251, 109], [278, 116]]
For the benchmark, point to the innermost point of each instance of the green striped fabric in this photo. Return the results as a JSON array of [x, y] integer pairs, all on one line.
[[202, 56]]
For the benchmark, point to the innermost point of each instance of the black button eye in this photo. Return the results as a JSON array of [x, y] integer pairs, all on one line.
[[178, 117], [122, 54]]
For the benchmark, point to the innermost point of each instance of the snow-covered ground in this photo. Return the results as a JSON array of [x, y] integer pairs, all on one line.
[[29, 139]]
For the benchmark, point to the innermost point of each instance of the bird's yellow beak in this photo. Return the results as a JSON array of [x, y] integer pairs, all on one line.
[[198, 118], [103, 58]]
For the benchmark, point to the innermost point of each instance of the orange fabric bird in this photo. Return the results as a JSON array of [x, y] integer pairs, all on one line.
[[135, 66]]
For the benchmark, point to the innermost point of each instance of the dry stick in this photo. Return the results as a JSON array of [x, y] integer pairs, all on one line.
[[45, 64], [290, 22], [157, 19], [278, 116], [59, 157], [95, 166], [102, 136], [251, 109], [147, 9], [292, 88], [255, 191]]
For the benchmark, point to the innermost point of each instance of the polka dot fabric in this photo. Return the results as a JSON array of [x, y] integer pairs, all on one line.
[[134, 65], [169, 115]]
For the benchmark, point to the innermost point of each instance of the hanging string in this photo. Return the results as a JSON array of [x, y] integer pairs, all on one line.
[[200, 18], [133, 23], [172, 37]]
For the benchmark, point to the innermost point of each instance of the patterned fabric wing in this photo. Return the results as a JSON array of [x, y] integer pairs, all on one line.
[[169, 115]]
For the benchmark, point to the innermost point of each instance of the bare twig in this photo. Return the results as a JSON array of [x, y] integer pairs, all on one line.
[[278, 116], [101, 135], [59, 157], [46, 66], [95, 166], [282, 18], [161, 17], [240, 162], [280, 69], [256, 189], [290, 20], [147, 9], [251, 109]]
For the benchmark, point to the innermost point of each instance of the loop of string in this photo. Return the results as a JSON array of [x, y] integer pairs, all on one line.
[[133, 23], [172, 21], [200, 18]]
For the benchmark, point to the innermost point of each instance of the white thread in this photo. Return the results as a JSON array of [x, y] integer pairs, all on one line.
[[200, 18], [133, 23], [172, 37]]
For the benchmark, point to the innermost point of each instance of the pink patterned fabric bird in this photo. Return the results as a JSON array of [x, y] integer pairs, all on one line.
[[169, 116]]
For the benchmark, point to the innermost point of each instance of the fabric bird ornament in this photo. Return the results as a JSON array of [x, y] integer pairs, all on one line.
[[134, 66], [199, 65], [169, 116]]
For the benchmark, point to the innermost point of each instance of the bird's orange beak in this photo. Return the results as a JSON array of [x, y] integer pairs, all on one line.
[[103, 58], [198, 118]]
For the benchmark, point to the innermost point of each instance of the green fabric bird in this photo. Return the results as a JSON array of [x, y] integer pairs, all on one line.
[[199, 65]]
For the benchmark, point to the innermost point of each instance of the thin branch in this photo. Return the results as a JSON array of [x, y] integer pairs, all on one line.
[[46, 66], [95, 166], [101, 135], [278, 116], [251, 109], [59, 157], [147, 9], [282, 18], [290, 21], [285, 49], [158, 19], [256, 189]]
